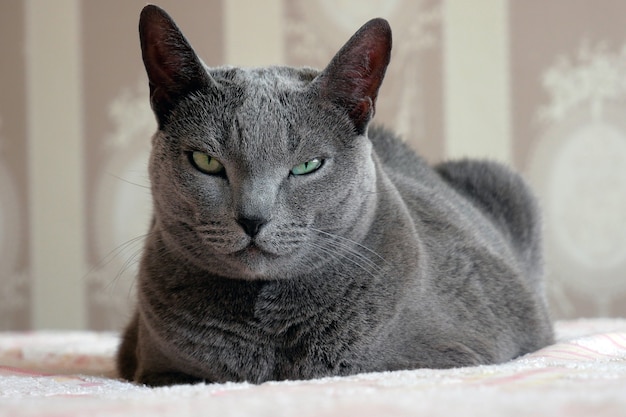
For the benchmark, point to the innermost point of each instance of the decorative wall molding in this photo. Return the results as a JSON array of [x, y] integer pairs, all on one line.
[[123, 206], [594, 77], [539, 84], [579, 168], [315, 30]]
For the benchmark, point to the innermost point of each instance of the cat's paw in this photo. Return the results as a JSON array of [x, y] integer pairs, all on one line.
[[155, 379]]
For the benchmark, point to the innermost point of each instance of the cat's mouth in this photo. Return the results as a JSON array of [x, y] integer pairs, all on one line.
[[254, 250], [254, 261]]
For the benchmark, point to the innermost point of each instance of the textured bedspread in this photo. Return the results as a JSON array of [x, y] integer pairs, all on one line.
[[71, 374]]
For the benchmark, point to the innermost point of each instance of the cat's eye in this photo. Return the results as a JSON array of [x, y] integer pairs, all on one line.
[[206, 163], [307, 167]]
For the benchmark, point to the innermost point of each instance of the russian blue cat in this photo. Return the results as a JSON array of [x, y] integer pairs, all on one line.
[[293, 240]]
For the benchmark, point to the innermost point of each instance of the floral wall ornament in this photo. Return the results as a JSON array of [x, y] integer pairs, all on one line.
[[123, 206], [131, 115], [409, 102], [593, 77], [580, 172]]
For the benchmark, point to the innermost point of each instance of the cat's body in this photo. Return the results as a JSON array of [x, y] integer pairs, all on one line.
[[290, 241]]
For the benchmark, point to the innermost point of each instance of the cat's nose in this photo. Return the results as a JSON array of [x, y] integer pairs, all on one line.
[[251, 225]]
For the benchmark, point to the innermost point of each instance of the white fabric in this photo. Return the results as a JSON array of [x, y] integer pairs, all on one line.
[[72, 374]]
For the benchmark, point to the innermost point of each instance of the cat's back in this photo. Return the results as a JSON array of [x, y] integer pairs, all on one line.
[[478, 228], [466, 193]]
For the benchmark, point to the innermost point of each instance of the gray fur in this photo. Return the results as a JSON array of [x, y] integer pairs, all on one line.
[[374, 262]]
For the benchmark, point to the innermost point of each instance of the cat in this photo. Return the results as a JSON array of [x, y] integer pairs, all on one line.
[[292, 240]]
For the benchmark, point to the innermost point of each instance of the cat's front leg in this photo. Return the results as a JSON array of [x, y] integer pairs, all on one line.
[[141, 360], [126, 360], [159, 379], [155, 370]]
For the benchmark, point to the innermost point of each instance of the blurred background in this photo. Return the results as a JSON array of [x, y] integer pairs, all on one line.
[[537, 84]]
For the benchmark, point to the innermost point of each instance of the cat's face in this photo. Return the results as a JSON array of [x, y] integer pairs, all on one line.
[[256, 173], [273, 157]]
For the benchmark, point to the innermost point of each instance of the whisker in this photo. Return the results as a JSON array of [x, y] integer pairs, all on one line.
[[116, 252], [340, 256], [126, 266], [128, 181], [348, 242], [108, 284], [355, 257]]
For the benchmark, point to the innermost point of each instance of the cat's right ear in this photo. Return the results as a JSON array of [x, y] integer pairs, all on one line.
[[174, 70], [356, 72]]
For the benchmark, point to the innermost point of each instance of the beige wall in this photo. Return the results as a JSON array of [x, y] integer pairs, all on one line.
[[534, 83], [14, 225]]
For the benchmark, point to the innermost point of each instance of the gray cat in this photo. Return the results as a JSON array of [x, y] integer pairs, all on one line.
[[292, 240]]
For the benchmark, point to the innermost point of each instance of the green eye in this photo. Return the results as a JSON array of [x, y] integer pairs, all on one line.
[[206, 163], [307, 167]]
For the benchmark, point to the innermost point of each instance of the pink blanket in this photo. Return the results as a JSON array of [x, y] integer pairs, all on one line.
[[72, 374]]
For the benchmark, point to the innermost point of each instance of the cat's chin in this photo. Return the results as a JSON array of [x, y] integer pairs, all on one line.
[[253, 263]]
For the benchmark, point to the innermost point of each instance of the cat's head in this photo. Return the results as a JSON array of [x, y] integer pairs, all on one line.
[[262, 173]]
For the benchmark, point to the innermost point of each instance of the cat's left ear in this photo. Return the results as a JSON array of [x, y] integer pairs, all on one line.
[[174, 70], [355, 74]]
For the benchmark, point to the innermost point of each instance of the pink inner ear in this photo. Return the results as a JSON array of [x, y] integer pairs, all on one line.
[[354, 76], [171, 64], [370, 80], [379, 59], [169, 59], [363, 109], [162, 54]]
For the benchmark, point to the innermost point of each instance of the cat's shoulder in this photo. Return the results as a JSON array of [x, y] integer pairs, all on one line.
[[395, 154]]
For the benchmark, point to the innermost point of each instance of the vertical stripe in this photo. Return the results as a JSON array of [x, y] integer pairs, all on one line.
[[253, 32], [477, 88], [55, 170]]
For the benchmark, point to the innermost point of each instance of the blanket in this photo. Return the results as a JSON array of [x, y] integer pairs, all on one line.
[[72, 374]]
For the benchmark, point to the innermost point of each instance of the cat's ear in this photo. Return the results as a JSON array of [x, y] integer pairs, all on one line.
[[174, 70], [355, 74]]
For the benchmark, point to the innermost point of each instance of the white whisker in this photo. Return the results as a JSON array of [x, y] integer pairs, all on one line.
[[349, 242], [344, 257]]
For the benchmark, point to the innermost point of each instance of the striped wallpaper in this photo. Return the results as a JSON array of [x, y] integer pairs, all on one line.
[[538, 84]]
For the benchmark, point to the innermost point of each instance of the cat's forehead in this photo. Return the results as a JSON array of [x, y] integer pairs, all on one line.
[[271, 98], [253, 111], [265, 78]]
